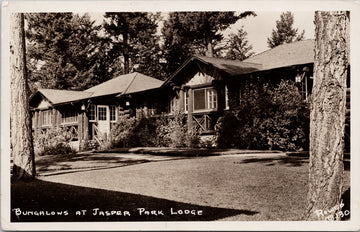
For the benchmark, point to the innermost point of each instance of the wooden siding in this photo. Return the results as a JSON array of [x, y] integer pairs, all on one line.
[[199, 79]]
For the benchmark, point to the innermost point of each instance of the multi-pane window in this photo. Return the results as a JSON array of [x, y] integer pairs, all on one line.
[[101, 113], [46, 118], [172, 105], [205, 99], [186, 100], [212, 98], [226, 98], [112, 113], [92, 113], [69, 116]]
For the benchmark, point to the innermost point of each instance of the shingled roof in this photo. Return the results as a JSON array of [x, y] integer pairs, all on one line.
[[125, 84], [301, 52], [231, 67], [297, 53], [56, 96]]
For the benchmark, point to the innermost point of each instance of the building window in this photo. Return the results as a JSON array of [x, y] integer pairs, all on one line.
[[205, 99], [212, 98], [92, 113], [172, 105], [112, 113], [46, 118], [186, 101], [226, 98], [102, 113], [69, 116]]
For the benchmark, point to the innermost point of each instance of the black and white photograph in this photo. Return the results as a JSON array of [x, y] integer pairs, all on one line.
[[179, 116]]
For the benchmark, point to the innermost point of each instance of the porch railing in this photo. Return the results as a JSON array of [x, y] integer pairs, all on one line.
[[204, 123], [98, 136]]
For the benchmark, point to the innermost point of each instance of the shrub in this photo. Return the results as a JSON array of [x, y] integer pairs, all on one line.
[[53, 141], [192, 139], [157, 132], [266, 118], [143, 133], [173, 133], [123, 130], [91, 145]]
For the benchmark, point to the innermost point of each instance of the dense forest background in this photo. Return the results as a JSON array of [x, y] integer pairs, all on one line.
[[69, 51]]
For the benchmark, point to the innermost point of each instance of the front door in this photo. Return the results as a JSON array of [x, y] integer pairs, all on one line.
[[103, 120]]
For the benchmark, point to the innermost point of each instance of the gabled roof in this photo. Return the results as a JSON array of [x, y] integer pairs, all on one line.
[[297, 53], [231, 67], [125, 84], [55, 96], [301, 52]]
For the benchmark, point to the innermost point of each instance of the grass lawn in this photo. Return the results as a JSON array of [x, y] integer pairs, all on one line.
[[228, 187]]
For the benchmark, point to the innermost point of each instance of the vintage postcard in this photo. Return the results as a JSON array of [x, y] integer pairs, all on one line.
[[180, 115]]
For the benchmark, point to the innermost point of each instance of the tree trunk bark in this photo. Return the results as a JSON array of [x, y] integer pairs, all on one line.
[[126, 52], [327, 117], [20, 125], [210, 49]]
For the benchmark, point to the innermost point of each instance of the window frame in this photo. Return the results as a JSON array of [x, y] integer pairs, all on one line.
[[172, 105], [208, 101], [227, 106], [92, 112], [186, 100], [112, 109], [69, 116], [100, 115], [46, 117]]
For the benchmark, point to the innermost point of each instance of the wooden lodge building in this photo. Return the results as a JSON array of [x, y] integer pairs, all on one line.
[[202, 87]]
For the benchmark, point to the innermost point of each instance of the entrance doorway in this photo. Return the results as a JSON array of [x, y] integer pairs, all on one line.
[[103, 114]]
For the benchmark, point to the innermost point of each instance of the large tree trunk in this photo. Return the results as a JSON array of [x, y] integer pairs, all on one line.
[[126, 53], [21, 137], [210, 50], [327, 118]]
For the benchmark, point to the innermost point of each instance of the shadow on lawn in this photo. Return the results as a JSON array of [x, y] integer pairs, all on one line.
[[40, 195], [290, 161], [61, 160], [62, 164], [87, 169]]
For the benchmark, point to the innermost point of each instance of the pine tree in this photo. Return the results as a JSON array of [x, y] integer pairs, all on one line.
[[134, 40], [327, 117], [284, 32], [237, 46], [65, 51], [188, 33], [22, 149]]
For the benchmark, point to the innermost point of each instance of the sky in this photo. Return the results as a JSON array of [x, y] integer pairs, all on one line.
[[259, 28]]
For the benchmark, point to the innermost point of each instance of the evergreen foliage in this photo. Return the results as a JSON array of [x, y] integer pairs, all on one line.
[[53, 141], [154, 132], [132, 38], [267, 118], [64, 51], [189, 33], [237, 46], [284, 32]]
